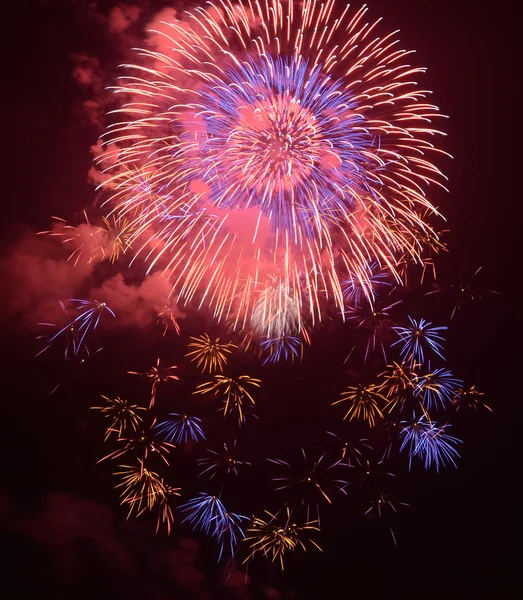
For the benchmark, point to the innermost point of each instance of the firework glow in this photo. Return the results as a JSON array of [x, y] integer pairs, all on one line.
[[298, 123]]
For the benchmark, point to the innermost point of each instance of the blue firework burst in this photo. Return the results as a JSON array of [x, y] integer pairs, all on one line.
[[417, 338], [426, 440], [437, 389], [180, 429], [282, 346]]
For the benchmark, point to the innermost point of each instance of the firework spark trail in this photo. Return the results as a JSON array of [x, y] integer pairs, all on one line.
[[273, 146], [76, 330]]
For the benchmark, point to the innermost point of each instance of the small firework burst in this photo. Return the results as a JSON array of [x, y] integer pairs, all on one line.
[[122, 414], [225, 462], [86, 241], [180, 429], [371, 475], [437, 389], [383, 507], [75, 331], [310, 482], [399, 383], [141, 445], [351, 453], [146, 490], [274, 537], [364, 403], [167, 319], [465, 292], [469, 398], [428, 441], [282, 346], [207, 513], [374, 319], [417, 338], [210, 356], [157, 374], [234, 391]]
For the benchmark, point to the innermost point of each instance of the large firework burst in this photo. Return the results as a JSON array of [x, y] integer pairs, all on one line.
[[271, 146]]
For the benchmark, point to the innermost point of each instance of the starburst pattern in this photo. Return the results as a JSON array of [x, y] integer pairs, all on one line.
[[180, 429], [417, 338], [122, 414], [274, 537], [294, 118], [436, 389], [146, 490], [225, 462], [210, 356], [309, 482], [234, 391], [156, 375], [365, 403], [428, 441]]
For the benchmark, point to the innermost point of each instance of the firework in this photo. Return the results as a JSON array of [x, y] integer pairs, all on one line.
[[428, 441], [75, 331], [145, 490], [156, 375], [364, 403], [351, 453], [226, 462], [93, 243], [370, 475], [233, 390], [399, 384], [86, 240], [208, 514], [381, 507], [122, 414], [282, 346], [374, 320], [299, 121], [210, 356], [231, 532], [398, 378], [141, 445], [167, 319], [275, 537], [180, 429], [417, 338], [436, 389], [309, 482], [361, 287], [465, 292], [469, 398]]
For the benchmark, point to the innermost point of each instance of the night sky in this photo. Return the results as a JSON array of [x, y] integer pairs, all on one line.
[[64, 534]]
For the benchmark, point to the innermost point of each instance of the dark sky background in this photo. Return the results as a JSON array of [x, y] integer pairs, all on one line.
[[64, 535]]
